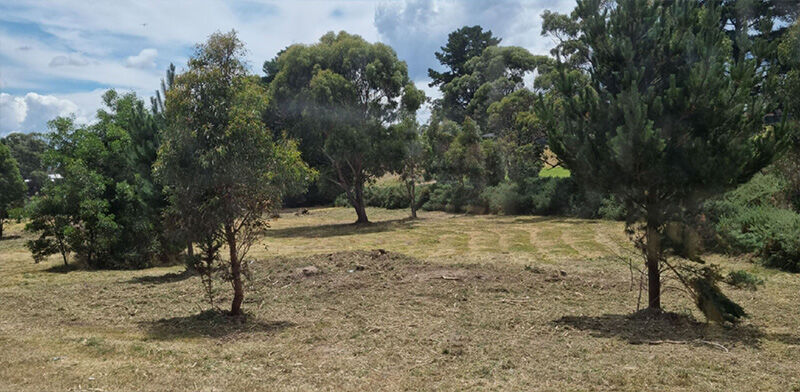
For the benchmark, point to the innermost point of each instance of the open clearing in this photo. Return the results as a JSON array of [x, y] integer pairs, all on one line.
[[446, 302]]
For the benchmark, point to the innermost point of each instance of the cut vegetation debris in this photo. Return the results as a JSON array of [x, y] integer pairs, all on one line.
[[446, 302]]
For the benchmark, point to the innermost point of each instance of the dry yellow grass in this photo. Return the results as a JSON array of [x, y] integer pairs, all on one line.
[[479, 302]]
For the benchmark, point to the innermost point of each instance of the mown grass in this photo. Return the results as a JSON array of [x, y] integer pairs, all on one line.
[[557, 171], [452, 302]]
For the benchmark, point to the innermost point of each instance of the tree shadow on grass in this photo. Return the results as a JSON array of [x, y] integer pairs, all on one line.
[[61, 268], [211, 324], [646, 327], [341, 229], [171, 277], [527, 220], [10, 237]]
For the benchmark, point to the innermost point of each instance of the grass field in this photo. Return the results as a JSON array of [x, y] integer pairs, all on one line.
[[446, 302]]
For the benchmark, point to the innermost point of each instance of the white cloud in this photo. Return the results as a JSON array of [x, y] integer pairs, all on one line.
[[145, 59], [78, 48], [74, 59], [31, 112], [418, 28]]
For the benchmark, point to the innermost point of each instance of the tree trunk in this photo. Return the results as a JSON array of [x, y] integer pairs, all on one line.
[[189, 249], [236, 273], [412, 190], [1, 227], [653, 253], [358, 203]]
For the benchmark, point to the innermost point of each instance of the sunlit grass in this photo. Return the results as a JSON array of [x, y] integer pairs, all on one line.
[[478, 303]]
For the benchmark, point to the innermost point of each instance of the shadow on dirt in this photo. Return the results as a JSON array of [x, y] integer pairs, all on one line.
[[647, 327], [341, 229], [171, 277], [211, 323]]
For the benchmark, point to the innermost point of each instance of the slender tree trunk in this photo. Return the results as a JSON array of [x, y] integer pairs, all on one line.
[[653, 253], [1, 227], [412, 190], [189, 249], [358, 203], [236, 273]]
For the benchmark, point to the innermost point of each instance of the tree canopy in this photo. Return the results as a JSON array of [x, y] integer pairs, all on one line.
[[28, 150], [656, 111], [222, 168], [104, 205], [338, 97], [12, 187]]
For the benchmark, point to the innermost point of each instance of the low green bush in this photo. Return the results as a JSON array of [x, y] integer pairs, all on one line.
[[389, 196], [453, 197], [744, 280], [754, 218], [504, 199]]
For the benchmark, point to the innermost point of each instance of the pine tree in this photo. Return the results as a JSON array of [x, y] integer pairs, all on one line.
[[649, 105]]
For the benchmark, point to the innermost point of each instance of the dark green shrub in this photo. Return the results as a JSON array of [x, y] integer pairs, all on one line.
[[504, 199], [391, 196], [341, 201], [744, 280], [753, 219], [611, 209], [551, 195], [451, 197]]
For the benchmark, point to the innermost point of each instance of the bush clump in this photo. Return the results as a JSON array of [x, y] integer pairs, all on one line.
[[755, 218], [744, 280], [504, 199]]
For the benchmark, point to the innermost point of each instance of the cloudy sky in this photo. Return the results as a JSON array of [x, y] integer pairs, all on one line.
[[57, 57]]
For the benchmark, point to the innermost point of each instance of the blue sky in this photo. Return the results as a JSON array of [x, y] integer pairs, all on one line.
[[57, 57]]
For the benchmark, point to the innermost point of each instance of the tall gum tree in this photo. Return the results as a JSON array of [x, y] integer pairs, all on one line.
[[339, 98]]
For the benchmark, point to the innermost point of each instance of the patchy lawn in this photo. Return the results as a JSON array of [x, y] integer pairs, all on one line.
[[446, 302]]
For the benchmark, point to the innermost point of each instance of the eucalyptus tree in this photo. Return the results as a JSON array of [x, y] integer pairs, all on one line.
[[222, 168], [339, 98]]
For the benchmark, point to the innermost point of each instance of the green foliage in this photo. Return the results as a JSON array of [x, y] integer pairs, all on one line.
[[338, 97], [660, 124], [452, 197], [412, 170], [464, 158], [105, 207], [222, 168], [714, 304], [754, 218], [28, 150], [462, 45], [557, 171], [50, 217], [488, 78], [744, 280], [12, 187], [611, 209], [504, 199], [391, 196], [520, 134]]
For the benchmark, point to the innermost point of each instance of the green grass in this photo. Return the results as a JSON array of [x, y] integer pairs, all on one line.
[[455, 302], [558, 172]]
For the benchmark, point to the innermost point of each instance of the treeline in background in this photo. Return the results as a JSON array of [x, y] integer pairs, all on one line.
[[678, 118]]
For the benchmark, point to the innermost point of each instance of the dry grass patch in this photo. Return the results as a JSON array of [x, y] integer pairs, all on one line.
[[343, 307]]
